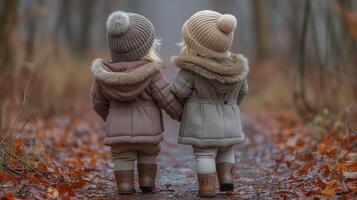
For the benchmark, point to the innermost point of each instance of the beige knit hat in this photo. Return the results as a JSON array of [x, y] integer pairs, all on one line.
[[209, 33], [129, 36]]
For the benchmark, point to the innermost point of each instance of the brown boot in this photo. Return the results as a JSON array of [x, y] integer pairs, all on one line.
[[206, 184], [147, 175], [225, 172], [125, 181]]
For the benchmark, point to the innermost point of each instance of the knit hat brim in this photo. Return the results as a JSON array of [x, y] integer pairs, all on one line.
[[135, 54]]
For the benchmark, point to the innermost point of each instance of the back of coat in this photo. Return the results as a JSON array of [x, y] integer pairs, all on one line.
[[211, 115], [128, 96]]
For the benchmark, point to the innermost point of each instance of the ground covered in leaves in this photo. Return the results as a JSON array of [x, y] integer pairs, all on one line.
[[282, 157]]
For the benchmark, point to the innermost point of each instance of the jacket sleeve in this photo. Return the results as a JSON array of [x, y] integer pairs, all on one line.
[[243, 91], [183, 85], [99, 103], [161, 93]]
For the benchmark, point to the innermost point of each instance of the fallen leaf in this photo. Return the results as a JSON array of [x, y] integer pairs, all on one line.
[[341, 167], [352, 156], [325, 170], [78, 184], [9, 196], [306, 169], [18, 146], [52, 192], [330, 189]]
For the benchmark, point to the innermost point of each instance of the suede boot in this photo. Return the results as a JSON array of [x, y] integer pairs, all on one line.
[[225, 173], [147, 175], [206, 184], [125, 181]]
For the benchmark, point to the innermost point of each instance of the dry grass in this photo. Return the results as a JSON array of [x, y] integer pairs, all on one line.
[[270, 86], [51, 87], [64, 87]]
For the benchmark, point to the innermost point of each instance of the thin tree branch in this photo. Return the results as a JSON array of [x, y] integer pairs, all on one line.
[[27, 94], [29, 167], [350, 128]]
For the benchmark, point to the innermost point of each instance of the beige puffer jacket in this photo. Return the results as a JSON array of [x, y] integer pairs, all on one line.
[[128, 96], [211, 91]]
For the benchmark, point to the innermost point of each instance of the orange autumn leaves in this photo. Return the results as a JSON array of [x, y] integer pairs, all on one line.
[[9, 196], [331, 188], [318, 164], [324, 163], [59, 171]]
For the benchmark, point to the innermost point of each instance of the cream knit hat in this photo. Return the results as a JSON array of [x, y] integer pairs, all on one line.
[[209, 33], [129, 36]]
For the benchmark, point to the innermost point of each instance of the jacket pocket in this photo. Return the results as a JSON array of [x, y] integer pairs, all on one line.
[[214, 122], [234, 124], [119, 121], [146, 120], [192, 120]]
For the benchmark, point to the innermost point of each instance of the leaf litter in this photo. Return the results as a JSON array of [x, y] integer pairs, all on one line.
[[282, 157]]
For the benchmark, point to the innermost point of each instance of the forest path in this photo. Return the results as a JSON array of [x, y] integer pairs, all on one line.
[[256, 175], [280, 158]]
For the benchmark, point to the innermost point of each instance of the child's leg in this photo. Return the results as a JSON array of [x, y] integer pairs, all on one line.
[[225, 155], [205, 159], [225, 168], [147, 167], [124, 160], [206, 170]]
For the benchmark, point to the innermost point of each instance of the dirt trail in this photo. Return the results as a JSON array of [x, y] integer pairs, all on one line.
[[279, 159], [255, 175]]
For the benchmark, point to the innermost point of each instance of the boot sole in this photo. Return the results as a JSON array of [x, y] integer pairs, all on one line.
[[207, 195], [147, 189], [126, 193], [226, 187]]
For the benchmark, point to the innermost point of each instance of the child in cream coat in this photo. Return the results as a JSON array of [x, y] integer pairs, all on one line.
[[211, 84]]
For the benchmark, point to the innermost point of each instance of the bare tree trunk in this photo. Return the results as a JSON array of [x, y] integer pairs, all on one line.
[[300, 89], [85, 26], [260, 10], [29, 43], [1, 113], [8, 16], [63, 22], [32, 17]]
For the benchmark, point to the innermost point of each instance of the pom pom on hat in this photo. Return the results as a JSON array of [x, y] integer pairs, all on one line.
[[227, 23], [117, 22]]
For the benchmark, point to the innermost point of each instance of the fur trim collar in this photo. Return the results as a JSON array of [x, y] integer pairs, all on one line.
[[124, 78], [225, 71]]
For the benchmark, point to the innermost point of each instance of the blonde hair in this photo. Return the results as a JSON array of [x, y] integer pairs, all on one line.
[[152, 55], [187, 51]]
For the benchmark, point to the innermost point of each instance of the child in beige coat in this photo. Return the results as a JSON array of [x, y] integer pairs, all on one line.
[[211, 84], [128, 92]]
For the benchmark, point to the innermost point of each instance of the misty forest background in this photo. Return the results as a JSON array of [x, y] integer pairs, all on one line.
[[302, 53]]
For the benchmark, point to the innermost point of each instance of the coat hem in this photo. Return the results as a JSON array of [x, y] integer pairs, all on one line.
[[156, 139], [225, 142]]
